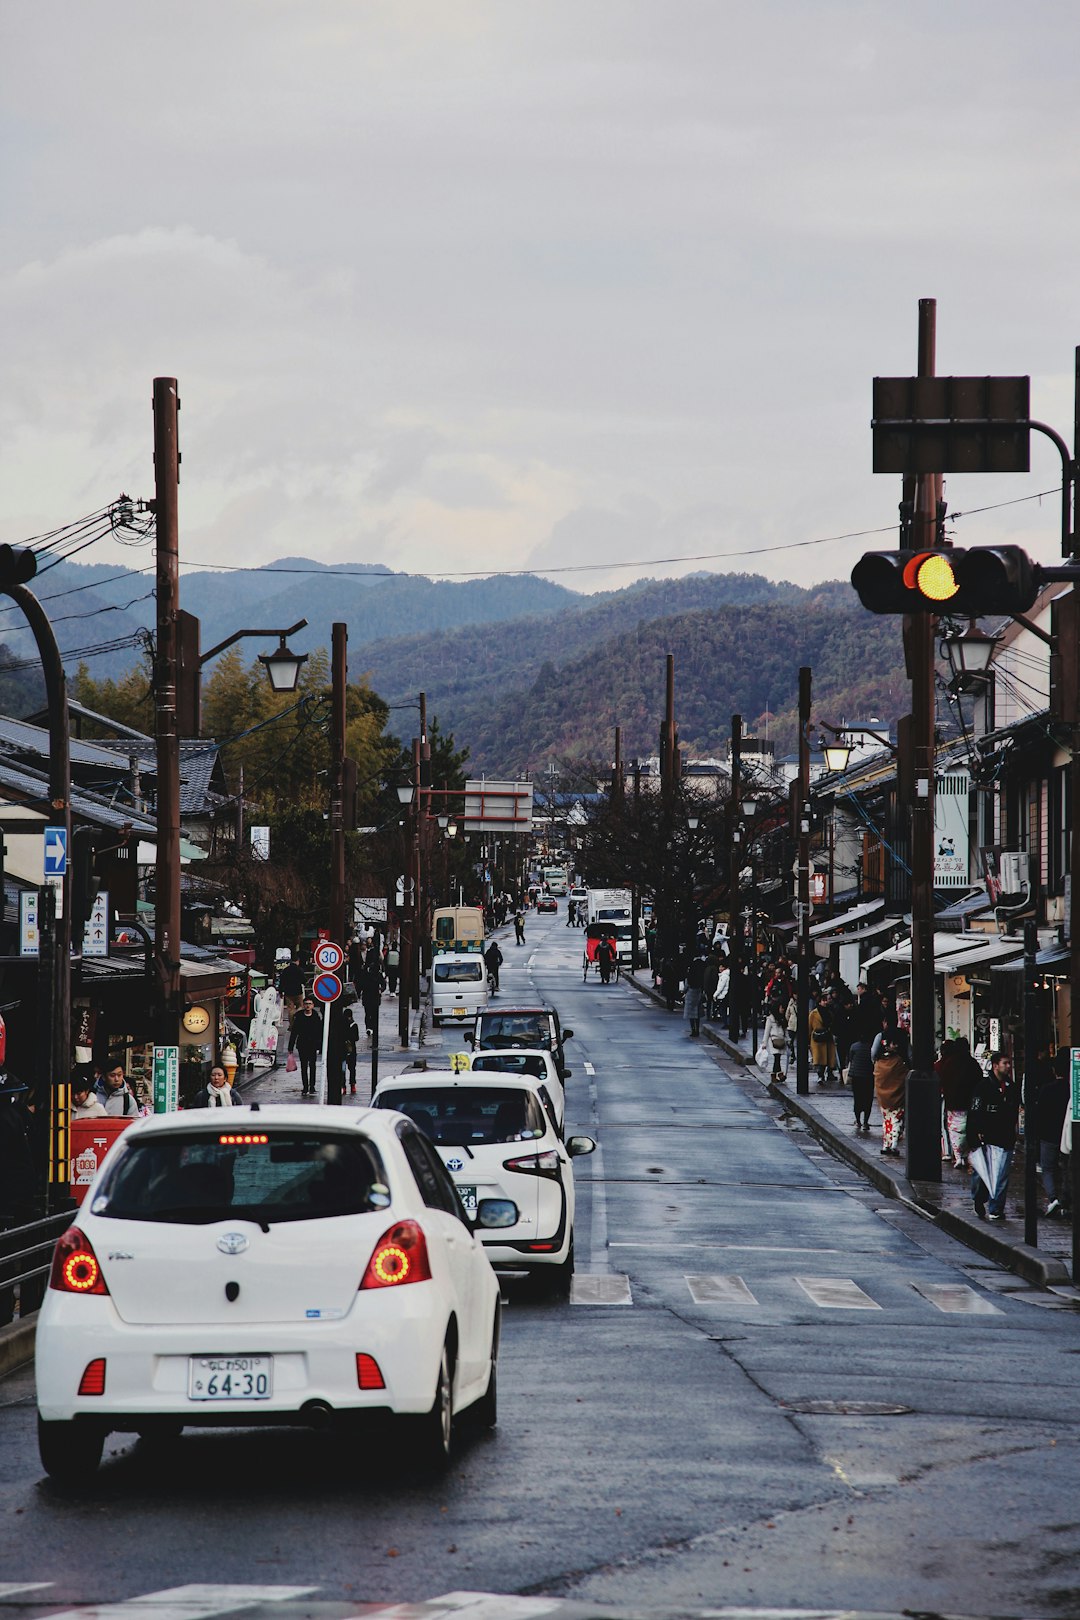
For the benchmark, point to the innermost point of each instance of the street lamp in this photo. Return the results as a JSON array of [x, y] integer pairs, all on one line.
[[283, 666], [969, 653], [837, 754]]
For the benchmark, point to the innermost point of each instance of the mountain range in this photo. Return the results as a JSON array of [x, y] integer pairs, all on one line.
[[521, 670]]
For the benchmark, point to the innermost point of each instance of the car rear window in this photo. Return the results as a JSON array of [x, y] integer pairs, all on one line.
[[464, 972], [530, 1063], [473, 1116], [515, 1029], [268, 1176]]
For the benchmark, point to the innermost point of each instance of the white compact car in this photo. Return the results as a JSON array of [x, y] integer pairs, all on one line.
[[287, 1265], [497, 1140], [538, 1066]]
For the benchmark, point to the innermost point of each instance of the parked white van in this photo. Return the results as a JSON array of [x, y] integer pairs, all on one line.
[[458, 987]]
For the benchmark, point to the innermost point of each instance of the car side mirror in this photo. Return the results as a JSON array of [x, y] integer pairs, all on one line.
[[495, 1212], [566, 1034], [567, 1073], [578, 1146]]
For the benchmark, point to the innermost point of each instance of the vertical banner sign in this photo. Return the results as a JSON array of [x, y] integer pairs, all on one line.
[[1074, 1053], [29, 939], [166, 1079], [96, 931]]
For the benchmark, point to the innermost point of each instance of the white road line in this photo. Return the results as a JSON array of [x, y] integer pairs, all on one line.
[[472, 1606], [957, 1299], [589, 1069], [719, 1290], [598, 1226], [612, 1288], [836, 1294], [738, 1248], [187, 1603]]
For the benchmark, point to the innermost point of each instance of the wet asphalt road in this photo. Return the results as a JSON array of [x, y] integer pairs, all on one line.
[[805, 1398]]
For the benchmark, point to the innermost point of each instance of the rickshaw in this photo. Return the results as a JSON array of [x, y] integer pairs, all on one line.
[[594, 933]]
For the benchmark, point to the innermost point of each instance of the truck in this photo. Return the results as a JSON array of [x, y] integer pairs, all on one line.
[[556, 880], [614, 908]]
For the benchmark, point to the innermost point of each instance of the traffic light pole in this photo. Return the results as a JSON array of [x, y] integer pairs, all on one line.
[[802, 909], [922, 1132], [167, 871]]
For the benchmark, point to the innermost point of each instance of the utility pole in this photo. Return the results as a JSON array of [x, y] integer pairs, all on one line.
[[167, 874], [735, 855], [338, 679], [923, 1118], [802, 810], [423, 847], [417, 876], [1071, 683]]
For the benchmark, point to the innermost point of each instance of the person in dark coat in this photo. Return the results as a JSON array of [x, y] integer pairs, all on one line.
[[306, 1042], [861, 1080], [606, 953], [957, 1073], [991, 1123], [1053, 1095], [493, 958], [291, 987]]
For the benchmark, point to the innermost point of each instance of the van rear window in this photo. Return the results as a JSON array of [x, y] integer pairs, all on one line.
[[469, 970]]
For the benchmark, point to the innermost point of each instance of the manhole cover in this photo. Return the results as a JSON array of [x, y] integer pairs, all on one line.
[[821, 1408]]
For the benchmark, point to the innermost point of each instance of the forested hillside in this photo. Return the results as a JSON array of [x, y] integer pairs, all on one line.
[[741, 659]]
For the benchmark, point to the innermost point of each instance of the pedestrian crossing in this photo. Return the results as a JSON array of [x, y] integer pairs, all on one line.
[[283, 1603], [825, 1293]]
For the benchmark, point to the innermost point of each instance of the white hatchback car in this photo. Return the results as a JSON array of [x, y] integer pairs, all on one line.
[[286, 1265], [538, 1066], [497, 1140]]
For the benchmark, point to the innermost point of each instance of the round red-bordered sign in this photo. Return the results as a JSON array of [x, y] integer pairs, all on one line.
[[327, 956], [327, 987]]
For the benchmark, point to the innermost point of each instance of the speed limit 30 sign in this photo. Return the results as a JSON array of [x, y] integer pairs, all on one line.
[[327, 956]]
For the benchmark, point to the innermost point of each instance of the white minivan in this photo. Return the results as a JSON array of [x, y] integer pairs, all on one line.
[[458, 987]]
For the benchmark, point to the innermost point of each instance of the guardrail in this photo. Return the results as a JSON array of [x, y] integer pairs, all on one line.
[[25, 1258]]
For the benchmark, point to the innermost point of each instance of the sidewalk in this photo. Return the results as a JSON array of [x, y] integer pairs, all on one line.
[[827, 1112]]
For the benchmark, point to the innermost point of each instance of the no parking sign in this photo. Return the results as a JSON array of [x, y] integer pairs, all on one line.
[[327, 987]]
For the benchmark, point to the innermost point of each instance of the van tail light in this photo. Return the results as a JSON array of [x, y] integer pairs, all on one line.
[[368, 1373], [400, 1256], [75, 1268], [535, 1164], [92, 1381]]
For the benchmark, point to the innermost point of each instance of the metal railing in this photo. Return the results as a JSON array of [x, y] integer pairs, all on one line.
[[25, 1258]]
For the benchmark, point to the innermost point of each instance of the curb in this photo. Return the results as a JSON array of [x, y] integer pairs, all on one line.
[[1033, 1265], [17, 1344]]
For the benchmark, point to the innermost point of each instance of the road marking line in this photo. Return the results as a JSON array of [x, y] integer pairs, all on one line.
[[474, 1606], [957, 1299], [589, 1069], [738, 1248], [10, 1588], [719, 1290], [836, 1294], [610, 1289], [187, 1603]]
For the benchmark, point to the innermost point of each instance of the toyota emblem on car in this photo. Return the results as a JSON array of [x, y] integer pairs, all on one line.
[[232, 1242]]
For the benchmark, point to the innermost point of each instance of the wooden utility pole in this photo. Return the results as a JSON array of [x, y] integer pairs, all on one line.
[[735, 857], [338, 678], [802, 909], [167, 872], [922, 1132]]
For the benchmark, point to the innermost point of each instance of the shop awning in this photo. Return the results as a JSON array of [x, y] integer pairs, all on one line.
[[1054, 961], [954, 952], [855, 915], [969, 905]]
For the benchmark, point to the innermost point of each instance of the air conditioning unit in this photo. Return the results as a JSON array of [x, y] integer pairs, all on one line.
[[1013, 870]]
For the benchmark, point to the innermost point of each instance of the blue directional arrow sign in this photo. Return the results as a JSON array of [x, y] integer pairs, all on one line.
[[56, 851]]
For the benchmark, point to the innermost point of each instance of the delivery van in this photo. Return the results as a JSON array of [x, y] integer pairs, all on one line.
[[458, 987]]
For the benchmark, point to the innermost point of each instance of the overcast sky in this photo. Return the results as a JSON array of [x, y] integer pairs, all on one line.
[[525, 283]]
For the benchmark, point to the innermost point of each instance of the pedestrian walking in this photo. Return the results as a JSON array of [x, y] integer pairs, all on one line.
[[991, 1137], [957, 1073], [1052, 1106], [352, 1041], [219, 1093], [695, 991], [890, 1080], [822, 1046], [861, 1080], [571, 914], [85, 1102], [393, 965], [712, 979], [117, 1097], [519, 927], [493, 957], [306, 1041], [606, 954], [291, 988], [775, 1038]]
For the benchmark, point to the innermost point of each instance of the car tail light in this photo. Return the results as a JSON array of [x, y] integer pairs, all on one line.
[[536, 1164], [400, 1257], [368, 1375], [92, 1381], [75, 1268]]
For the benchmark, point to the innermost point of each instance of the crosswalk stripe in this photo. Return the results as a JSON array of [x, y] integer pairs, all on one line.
[[957, 1299], [836, 1294], [716, 1290], [196, 1602], [606, 1289], [472, 1606]]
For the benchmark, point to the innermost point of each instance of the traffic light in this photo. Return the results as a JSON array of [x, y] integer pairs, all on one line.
[[84, 883], [986, 580], [17, 567]]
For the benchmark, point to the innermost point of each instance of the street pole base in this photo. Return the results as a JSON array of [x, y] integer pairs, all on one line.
[[922, 1126]]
